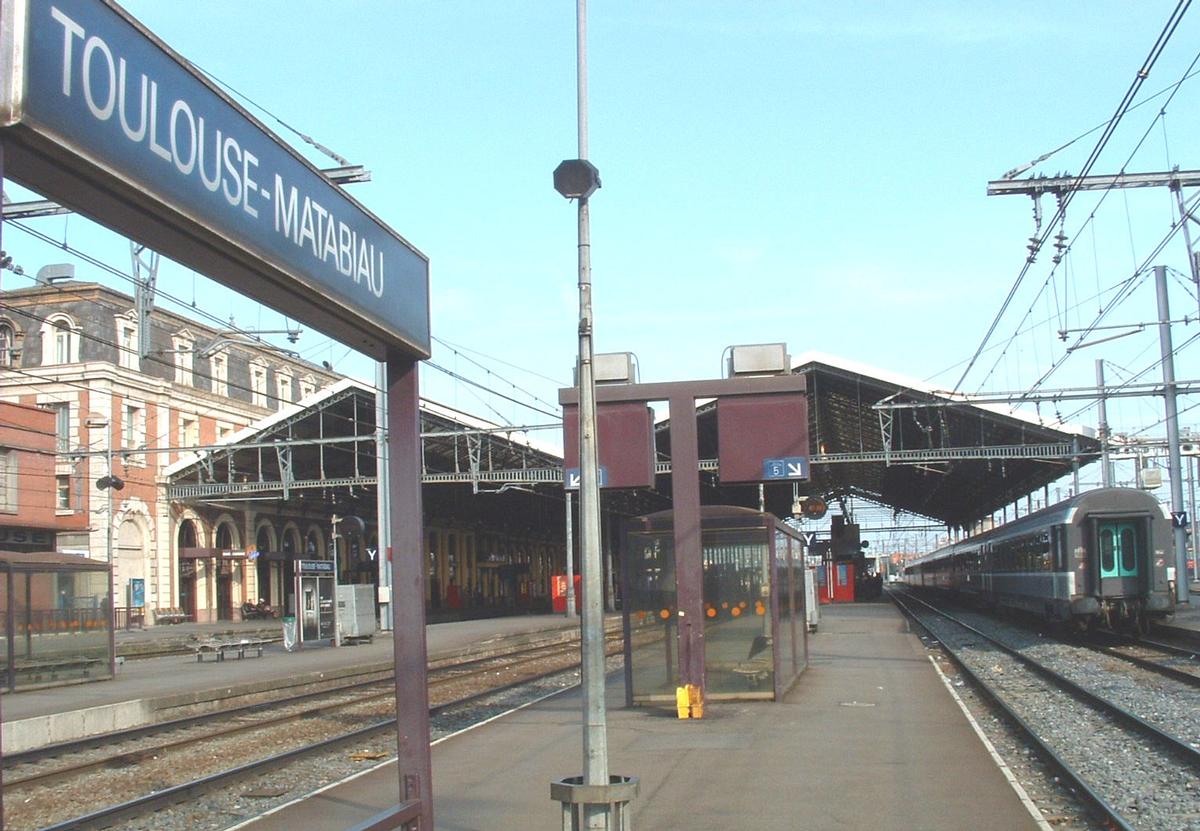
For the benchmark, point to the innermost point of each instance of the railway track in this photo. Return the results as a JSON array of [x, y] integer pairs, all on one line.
[[1135, 774], [175, 762], [1179, 664]]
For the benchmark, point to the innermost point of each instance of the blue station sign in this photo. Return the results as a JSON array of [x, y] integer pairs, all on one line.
[[788, 467], [148, 146], [573, 478]]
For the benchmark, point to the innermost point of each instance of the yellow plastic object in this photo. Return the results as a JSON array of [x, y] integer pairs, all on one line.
[[689, 703]]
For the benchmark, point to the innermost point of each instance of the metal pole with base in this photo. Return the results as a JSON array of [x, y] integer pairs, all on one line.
[[595, 800], [1172, 420], [333, 538]]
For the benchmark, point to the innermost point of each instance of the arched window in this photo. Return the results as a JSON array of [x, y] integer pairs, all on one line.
[[291, 541], [183, 344], [258, 382], [283, 385], [225, 536], [7, 343], [128, 354], [187, 534], [314, 544], [60, 341]]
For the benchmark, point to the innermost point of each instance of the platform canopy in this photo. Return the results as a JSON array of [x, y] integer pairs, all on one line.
[[896, 441]]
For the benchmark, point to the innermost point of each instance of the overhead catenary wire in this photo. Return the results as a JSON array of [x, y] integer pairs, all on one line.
[[250, 335], [1123, 107], [1091, 219]]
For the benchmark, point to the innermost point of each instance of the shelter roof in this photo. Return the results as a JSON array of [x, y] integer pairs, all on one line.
[[939, 456], [326, 443], [48, 561]]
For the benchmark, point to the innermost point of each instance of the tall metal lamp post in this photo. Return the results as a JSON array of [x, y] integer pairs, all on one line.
[[108, 483], [594, 800]]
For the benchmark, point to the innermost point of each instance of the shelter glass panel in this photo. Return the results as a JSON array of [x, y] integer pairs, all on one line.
[[737, 596], [784, 583], [56, 621], [750, 564], [654, 664]]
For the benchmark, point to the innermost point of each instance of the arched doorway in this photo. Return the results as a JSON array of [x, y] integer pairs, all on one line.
[[314, 545], [225, 568], [291, 551], [262, 543], [187, 538], [131, 564]]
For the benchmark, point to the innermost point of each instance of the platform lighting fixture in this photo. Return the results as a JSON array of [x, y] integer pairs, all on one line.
[[576, 178]]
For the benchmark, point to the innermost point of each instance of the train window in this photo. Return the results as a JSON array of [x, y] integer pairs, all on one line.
[[1108, 562], [1129, 563], [1118, 549]]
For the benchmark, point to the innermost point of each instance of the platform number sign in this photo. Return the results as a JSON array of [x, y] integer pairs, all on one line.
[[788, 467]]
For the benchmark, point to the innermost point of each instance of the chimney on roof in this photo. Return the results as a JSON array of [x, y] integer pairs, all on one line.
[[48, 275]]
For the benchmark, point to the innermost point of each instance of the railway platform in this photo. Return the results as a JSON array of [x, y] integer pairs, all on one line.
[[1185, 623], [869, 737], [154, 689]]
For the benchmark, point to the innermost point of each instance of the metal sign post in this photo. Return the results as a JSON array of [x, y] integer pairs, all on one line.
[[202, 181]]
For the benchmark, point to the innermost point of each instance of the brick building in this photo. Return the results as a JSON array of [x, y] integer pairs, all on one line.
[[36, 504], [72, 348]]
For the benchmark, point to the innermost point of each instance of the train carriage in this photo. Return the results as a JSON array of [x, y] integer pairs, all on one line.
[[1099, 557]]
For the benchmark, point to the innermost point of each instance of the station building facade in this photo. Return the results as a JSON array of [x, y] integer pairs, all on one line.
[[72, 348], [188, 528]]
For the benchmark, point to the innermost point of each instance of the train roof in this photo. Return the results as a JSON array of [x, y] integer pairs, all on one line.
[[1103, 500]]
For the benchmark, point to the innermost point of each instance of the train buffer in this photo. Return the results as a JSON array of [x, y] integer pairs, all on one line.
[[220, 650]]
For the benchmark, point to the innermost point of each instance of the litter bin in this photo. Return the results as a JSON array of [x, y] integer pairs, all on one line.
[[289, 633]]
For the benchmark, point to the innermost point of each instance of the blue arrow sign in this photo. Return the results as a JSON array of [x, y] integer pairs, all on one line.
[[572, 478], [788, 467]]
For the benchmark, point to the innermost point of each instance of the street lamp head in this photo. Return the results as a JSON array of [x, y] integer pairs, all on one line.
[[95, 423], [576, 178]]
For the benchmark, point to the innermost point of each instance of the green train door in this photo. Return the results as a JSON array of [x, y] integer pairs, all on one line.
[[1119, 555]]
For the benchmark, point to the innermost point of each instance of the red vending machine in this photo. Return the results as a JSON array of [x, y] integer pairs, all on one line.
[[558, 593]]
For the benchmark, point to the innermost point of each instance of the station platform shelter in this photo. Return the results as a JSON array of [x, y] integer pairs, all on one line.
[[55, 619], [755, 634]]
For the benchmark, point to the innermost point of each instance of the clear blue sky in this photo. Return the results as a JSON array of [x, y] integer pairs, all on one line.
[[772, 171]]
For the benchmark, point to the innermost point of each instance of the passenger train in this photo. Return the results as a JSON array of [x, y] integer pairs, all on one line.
[[1099, 558]]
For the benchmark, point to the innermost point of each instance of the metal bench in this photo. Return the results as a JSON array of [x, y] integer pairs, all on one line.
[[222, 649], [170, 615]]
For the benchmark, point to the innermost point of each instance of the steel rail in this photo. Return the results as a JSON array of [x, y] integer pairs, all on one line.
[[452, 673], [1182, 676], [179, 793], [1173, 743], [26, 757], [525, 654], [1046, 752], [133, 755]]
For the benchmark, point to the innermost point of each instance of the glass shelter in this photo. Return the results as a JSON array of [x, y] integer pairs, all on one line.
[[755, 633], [56, 619]]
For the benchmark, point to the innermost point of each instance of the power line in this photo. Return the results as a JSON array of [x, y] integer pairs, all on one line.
[[466, 380], [496, 375], [1122, 108]]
